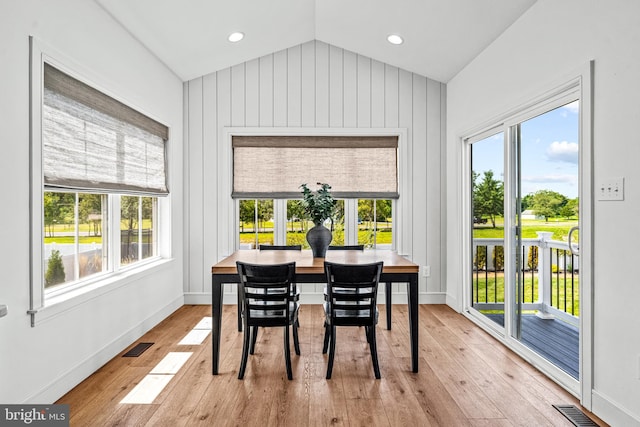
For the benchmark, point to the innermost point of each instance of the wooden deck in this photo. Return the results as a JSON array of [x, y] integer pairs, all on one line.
[[555, 340], [466, 378]]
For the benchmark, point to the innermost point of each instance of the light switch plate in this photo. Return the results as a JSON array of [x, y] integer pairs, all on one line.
[[611, 189]]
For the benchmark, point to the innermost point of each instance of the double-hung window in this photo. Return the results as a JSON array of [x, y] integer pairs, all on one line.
[[99, 171]]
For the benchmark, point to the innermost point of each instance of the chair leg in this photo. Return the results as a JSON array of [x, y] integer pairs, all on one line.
[[374, 351], [332, 352], [245, 352], [254, 338], [287, 353], [296, 341], [239, 313], [327, 335]]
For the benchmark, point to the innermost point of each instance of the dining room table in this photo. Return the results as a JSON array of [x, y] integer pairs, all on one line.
[[396, 269]]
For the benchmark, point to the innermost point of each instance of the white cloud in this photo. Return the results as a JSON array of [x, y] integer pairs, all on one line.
[[551, 179], [563, 151]]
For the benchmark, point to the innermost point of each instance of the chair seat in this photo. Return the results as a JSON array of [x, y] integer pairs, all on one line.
[[274, 315], [348, 317]]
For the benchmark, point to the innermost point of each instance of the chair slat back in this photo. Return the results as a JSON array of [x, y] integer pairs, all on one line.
[[266, 292], [352, 291]]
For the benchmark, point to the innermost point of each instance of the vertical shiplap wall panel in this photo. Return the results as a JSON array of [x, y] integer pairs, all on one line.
[[435, 166], [420, 174], [252, 93], [194, 189], [266, 90], [312, 85], [238, 81], [280, 88], [224, 106], [377, 94], [364, 92], [335, 86], [308, 84], [405, 120], [322, 84], [390, 96], [350, 89], [209, 176], [294, 86]]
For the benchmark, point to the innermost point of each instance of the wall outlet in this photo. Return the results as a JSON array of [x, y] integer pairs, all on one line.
[[611, 189], [426, 271]]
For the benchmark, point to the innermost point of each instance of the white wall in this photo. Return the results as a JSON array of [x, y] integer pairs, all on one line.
[[40, 364], [551, 41], [311, 85]]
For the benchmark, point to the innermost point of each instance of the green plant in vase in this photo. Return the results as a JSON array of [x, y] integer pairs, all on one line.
[[318, 207]]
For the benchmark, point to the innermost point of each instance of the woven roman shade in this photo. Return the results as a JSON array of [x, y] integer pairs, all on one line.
[[92, 142], [276, 166]]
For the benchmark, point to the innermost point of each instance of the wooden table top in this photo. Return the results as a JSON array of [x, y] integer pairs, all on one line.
[[306, 264]]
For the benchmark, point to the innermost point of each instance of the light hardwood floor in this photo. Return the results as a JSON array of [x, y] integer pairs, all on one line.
[[466, 378]]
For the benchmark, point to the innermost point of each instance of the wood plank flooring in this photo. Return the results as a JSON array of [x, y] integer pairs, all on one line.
[[466, 378]]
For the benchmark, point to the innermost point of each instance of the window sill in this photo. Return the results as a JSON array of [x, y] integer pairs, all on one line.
[[63, 302]]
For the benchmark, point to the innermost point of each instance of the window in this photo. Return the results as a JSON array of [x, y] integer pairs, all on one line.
[[137, 233], [99, 172], [375, 220], [75, 246], [362, 171], [256, 223]]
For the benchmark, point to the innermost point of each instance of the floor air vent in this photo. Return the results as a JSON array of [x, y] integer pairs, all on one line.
[[575, 415], [138, 349]]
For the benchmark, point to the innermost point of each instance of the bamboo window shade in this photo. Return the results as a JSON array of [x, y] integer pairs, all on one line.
[[276, 166], [92, 142]]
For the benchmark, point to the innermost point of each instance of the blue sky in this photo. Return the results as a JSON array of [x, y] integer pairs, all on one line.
[[549, 152]]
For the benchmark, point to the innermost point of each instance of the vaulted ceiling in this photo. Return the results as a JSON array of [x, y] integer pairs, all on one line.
[[440, 36]]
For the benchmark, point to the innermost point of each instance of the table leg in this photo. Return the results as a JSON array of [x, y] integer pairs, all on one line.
[[413, 319], [216, 320]]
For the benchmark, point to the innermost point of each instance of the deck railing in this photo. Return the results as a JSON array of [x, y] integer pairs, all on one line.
[[550, 281]]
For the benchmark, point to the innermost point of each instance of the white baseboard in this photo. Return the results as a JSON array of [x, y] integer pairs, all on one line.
[[74, 376], [612, 413]]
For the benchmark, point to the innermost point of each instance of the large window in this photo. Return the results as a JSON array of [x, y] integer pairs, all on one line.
[[260, 223], [362, 171], [99, 171]]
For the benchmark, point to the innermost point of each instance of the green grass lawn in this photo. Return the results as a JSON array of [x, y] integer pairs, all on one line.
[[297, 237], [559, 228], [489, 287]]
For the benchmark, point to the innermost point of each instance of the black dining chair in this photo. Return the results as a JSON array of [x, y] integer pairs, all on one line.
[[387, 288], [352, 301], [266, 292]]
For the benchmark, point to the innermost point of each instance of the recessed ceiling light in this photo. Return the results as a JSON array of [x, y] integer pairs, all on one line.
[[236, 37], [395, 39]]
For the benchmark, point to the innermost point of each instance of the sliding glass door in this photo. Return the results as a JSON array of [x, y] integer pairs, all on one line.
[[525, 275]]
